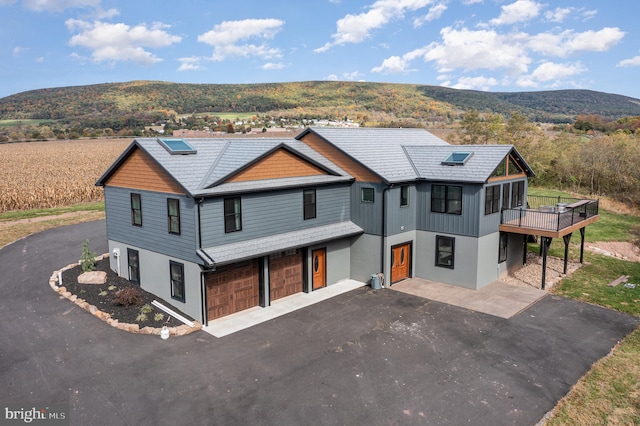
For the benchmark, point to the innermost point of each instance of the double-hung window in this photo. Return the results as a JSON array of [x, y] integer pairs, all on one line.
[[177, 281], [309, 203], [173, 215], [133, 260], [517, 194], [445, 251], [506, 195], [502, 247], [136, 209], [367, 195], [446, 199], [492, 199], [232, 214], [404, 196]]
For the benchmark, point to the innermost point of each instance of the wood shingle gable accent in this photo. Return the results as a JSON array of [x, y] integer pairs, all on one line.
[[281, 163], [140, 171], [342, 160]]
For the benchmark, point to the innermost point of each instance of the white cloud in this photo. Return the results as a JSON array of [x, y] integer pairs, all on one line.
[[474, 83], [434, 13], [18, 50], [487, 49], [345, 76], [224, 38], [559, 14], [550, 72], [190, 64], [59, 5], [631, 62], [357, 28], [392, 65], [399, 64], [588, 14], [520, 11], [273, 66], [568, 42], [120, 42]]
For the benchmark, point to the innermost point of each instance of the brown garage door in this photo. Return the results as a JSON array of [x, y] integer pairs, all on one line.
[[285, 274], [232, 289]]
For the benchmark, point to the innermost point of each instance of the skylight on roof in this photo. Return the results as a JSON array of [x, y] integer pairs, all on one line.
[[177, 146], [456, 158]]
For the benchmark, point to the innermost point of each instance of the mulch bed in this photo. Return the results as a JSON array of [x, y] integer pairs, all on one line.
[[101, 296]]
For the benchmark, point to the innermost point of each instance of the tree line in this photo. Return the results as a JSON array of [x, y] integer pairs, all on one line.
[[566, 157]]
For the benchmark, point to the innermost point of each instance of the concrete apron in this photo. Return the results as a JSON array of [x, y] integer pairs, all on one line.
[[498, 299]]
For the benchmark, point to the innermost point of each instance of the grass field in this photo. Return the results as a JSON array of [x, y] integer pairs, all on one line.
[[224, 115], [29, 122], [609, 394]]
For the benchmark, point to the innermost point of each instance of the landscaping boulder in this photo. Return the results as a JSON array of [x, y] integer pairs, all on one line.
[[93, 277]]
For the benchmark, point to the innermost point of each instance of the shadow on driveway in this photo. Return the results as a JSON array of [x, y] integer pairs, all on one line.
[[364, 357]]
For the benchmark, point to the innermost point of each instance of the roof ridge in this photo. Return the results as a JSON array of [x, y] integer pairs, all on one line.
[[213, 166], [413, 166]]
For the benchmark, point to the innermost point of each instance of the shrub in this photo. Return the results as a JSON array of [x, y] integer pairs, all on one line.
[[88, 258], [128, 296], [158, 317], [146, 309]]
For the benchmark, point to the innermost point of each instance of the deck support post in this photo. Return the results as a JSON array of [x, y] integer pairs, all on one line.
[[582, 231], [567, 240], [545, 242], [524, 249]]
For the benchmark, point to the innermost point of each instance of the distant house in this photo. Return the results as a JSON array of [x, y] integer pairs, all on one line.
[[221, 225]]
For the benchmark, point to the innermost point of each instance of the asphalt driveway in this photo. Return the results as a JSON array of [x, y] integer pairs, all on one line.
[[365, 357]]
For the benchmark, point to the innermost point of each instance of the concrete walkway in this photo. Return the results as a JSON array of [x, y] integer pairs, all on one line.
[[498, 299], [253, 316]]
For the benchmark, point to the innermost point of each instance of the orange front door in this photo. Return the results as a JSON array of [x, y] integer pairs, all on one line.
[[318, 268], [400, 258]]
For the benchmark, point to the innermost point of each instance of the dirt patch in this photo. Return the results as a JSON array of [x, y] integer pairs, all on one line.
[[618, 249], [44, 218], [531, 274]]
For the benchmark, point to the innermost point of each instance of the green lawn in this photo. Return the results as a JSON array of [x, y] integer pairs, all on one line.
[[13, 123], [609, 394]]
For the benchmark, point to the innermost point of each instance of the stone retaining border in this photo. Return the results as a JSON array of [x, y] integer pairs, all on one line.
[[132, 328]]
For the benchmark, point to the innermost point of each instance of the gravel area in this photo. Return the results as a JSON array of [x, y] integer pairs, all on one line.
[[531, 274]]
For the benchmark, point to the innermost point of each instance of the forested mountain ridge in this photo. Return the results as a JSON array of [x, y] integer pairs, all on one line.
[[313, 99]]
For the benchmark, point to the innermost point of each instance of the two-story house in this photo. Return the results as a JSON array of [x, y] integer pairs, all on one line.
[[220, 225]]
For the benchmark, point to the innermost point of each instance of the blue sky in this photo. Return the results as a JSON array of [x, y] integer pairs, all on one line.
[[494, 45]]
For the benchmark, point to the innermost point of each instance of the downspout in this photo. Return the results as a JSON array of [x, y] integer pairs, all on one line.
[[384, 231], [203, 292]]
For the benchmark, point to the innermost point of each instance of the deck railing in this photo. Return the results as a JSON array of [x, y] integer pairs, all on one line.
[[550, 213]]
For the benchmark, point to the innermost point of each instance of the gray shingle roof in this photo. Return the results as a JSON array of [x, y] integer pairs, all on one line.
[[216, 159], [242, 250], [380, 150], [400, 155], [478, 168]]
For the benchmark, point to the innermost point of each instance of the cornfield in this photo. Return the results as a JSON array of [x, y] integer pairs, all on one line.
[[54, 174]]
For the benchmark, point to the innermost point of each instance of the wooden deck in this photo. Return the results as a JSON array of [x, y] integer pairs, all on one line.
[[547, 221]]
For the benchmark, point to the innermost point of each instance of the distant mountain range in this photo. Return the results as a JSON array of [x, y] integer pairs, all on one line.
[[314, 99]]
